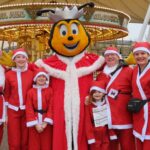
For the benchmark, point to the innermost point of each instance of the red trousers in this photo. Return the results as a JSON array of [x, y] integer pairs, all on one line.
[[40, 141], [125, 139], [143, 145], [1, 133], [102, 139], [17, 130]]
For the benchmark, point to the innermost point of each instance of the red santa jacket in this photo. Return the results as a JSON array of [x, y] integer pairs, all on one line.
[[17, 84], [70, 80], [141, 90], [90, 127], [119, 91], [39, 105], [2, 101]]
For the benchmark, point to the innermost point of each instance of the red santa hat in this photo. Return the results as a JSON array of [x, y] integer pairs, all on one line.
[[99, 86], [112, 50], [40, 72], [19, 51], [141, 46]]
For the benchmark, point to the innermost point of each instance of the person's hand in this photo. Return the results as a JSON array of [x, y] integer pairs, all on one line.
[[44, 125], [6, 122], [39, 128], [87, 100]]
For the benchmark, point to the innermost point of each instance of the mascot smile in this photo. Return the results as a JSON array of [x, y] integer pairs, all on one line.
[[71, 70]]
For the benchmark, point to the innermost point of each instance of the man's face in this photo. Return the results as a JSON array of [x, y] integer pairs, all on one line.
[[111, 59]]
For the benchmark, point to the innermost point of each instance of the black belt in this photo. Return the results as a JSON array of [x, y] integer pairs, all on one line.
[[127, 93], [1, 93], [41, 111]]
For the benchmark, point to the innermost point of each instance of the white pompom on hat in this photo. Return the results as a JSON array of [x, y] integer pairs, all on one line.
[[141, 46], [112, 50], [99, 86], [19, 51]]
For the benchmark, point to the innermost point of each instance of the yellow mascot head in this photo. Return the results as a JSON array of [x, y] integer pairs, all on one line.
[[68, 37]]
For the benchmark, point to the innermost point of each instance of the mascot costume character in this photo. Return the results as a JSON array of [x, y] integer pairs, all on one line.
[[71, 71]]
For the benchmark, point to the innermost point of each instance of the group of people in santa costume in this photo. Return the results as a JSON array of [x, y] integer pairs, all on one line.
[[107, 124], [28, 97]]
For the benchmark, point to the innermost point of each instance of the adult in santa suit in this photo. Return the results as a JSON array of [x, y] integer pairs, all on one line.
[[18, 82], [141, 91], [118, 94], [71, 71], [2, 101], [39, 112]]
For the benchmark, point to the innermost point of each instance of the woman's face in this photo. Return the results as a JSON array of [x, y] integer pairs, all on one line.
[[111, 59], [98, 95], [20, 60], [41, 80], [141, 57]]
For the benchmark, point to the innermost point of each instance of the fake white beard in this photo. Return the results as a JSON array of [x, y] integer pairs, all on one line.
[[107, 70]]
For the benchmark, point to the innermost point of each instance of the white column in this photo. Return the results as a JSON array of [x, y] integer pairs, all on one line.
[[145, 23]]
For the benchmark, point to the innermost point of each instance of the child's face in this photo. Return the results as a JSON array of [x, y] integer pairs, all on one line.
[[98, 95], [20, 60], [41, 80]]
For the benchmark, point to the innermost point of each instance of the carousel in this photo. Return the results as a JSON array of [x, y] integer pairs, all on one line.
[[21, 27]]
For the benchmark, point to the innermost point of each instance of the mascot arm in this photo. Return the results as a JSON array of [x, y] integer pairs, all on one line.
[[6, 59], [130, 59]]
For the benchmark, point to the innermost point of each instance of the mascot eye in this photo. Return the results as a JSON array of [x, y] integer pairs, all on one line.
[[74, 28], [63, 30]]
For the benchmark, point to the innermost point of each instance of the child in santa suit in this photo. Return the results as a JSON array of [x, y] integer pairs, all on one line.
[[39, 113], [18, 81], [96, 118], [2, 102]]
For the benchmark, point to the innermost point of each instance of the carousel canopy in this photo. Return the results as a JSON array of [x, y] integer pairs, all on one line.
[[135, 8]]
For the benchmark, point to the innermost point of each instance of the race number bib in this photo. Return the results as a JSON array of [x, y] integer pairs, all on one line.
[[100, 116], [113, 93]]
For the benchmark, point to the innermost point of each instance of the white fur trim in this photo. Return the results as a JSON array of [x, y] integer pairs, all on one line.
[[48, 120], [42, 87], [2, 76], [13, 107], [6, 103], [39, 74], [107, 101], [20, 93], [74, 59], [88, 70], [113, 137], [91, 141], [72, 106], [113, 78], [141, 137], [20, 53], [113, 52], [22, 107], [39, 100], [51, 71], [141, 91], [126, 126], [97, 89], [16, 108], [141, 49], [32, 123], [3, 119]]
